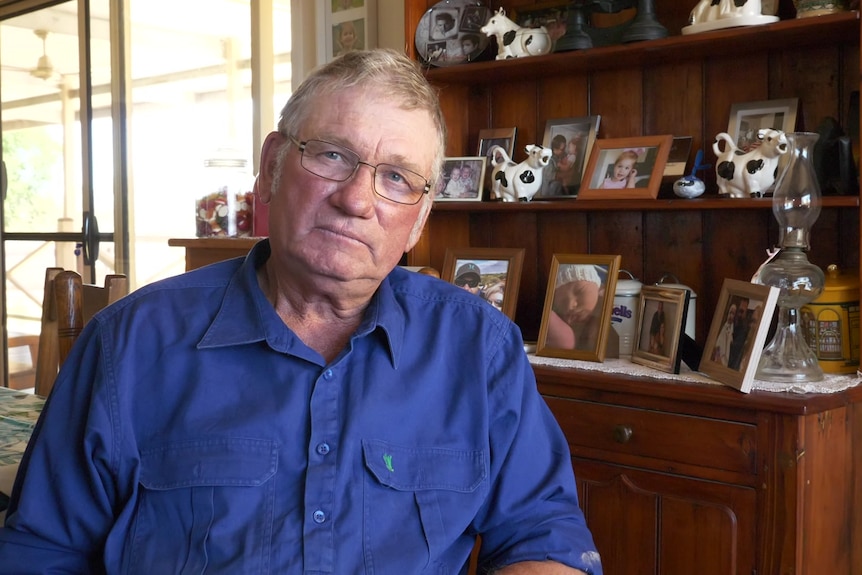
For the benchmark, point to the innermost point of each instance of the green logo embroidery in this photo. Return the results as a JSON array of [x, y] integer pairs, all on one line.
[[387, 459]]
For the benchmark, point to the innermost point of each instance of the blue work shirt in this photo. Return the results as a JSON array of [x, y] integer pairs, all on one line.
[[191, 431]]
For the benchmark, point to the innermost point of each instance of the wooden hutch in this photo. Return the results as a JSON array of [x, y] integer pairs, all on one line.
[[677, 479]]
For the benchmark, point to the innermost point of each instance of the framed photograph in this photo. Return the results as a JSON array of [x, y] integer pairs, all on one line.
[[570, 141], [661, 314], [552, 15], [677, 157], [494, 274], [461, 179], [346, 25], [748, 117], [737, 333], [503, 137], [578, 305], [625, 168], [488, 138]]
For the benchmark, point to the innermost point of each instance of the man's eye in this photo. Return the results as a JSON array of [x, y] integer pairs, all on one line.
[[393, 177], [332, 155]]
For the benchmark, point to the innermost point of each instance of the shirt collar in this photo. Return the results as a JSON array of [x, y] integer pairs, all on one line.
[[246, 316]]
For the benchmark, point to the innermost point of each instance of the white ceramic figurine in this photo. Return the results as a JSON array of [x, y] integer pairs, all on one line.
[[512, 182], [514, 41], [748, 174]]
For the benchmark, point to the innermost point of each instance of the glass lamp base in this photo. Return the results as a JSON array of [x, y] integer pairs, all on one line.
[[788, 358]]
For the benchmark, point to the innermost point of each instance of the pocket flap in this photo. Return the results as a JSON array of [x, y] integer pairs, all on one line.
[[225, 461], [420, 468]]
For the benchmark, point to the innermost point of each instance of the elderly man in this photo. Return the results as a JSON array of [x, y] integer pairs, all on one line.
[[310, 408]]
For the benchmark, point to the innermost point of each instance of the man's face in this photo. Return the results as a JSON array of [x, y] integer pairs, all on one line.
[[322, 230]]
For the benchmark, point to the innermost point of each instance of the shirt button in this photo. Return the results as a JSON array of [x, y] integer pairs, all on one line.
[[322, 448], [327, 375], [319, 516]]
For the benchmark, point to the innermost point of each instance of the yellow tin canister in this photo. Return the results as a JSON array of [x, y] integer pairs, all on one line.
[[832, 322]]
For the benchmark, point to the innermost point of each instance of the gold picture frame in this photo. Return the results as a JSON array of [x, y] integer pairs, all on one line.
[[578, 331], [661, 317]]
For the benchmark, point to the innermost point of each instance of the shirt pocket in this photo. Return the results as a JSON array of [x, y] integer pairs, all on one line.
[[205, 505], [418, 502]]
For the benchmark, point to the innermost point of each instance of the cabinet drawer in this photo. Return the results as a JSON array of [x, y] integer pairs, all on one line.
[[627, 432]]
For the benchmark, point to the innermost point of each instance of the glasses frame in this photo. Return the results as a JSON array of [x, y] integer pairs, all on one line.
[[302, 144]]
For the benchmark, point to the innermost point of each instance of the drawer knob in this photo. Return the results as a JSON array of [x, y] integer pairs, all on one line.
[[622, 433]]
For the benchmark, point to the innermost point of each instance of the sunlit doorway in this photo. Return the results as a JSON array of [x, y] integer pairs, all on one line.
[[187, 67]]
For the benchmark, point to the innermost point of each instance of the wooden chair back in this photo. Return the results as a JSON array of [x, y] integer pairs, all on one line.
[[68, 304]]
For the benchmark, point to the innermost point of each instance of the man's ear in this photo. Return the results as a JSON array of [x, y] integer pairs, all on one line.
[[268, 164]]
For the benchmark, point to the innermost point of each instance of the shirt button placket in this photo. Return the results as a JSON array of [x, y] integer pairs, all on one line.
[[319, 537]]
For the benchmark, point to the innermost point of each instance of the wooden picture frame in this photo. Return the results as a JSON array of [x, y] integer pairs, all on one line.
[[746, 118], [647, 155], [661, 317], [490, 137], [571, 140], [467, 188], [732, 352], [343, 20], [564, 331], [497, 272]]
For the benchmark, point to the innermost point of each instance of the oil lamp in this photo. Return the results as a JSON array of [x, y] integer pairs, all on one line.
[[796, 206]]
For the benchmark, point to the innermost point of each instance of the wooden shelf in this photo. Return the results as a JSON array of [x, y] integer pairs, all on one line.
[[711, 203], [839, 29]]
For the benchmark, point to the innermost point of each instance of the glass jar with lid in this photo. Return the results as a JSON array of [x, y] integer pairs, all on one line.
[[226, 208]]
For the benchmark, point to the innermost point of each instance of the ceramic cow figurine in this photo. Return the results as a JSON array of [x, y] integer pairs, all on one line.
[[514, 41], [748, 174], [711, 10], [512, 182]]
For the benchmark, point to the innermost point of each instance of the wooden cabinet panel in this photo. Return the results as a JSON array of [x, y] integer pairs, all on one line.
[[647, 523]]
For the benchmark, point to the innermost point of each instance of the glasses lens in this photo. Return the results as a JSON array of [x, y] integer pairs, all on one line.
[[329, 161], [399, 184], [470, 283], [338, 163]]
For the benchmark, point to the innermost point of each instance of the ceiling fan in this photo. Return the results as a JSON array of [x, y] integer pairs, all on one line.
[[44, 68]]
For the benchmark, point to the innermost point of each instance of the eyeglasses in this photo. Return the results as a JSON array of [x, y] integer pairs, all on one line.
[[337, 163]]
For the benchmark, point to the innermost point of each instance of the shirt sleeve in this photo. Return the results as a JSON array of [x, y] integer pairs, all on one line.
[[532, 512], [62, 504]]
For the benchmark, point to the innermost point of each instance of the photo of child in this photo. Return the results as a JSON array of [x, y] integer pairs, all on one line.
[[348, 36], [623, 173], [624, 168]]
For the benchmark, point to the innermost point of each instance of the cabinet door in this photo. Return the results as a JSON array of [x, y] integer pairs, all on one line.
[[648, 523]]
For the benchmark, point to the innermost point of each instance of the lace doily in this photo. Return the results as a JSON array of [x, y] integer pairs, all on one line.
[[832, 383]]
